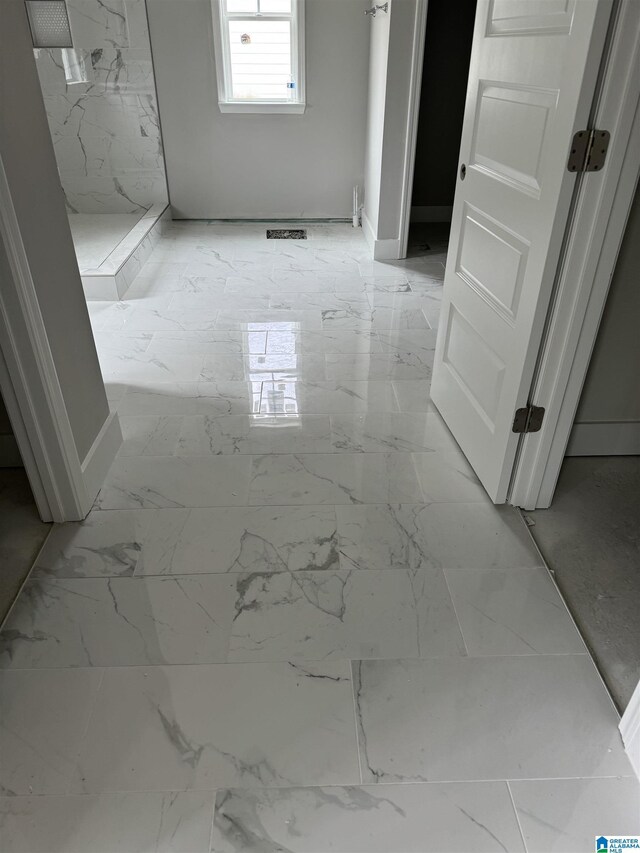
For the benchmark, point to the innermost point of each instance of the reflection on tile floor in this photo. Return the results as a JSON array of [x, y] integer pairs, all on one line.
[[293, 621]]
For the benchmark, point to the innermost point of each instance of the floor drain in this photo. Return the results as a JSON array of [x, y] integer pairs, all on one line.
[[286, 233]]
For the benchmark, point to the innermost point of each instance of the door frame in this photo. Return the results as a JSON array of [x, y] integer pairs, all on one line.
[[31, 389], [411, 140], [595, 230]]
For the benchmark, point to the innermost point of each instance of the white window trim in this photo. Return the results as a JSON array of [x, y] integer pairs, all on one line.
[[223, 70]]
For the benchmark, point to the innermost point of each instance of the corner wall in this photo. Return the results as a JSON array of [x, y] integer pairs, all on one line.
[[26, 152]]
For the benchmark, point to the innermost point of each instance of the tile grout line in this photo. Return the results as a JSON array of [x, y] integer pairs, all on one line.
[[352, 664], [517, 815]]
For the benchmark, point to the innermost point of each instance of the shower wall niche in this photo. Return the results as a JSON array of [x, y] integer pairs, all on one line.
[[102, 110]]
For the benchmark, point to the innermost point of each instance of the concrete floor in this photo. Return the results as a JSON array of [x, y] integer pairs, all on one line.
[[22, 534], [590, 537]]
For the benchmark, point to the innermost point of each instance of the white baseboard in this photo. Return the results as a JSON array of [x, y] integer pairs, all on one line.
[[99, 458], [383, 250], [630, 730], [432, 213], [9, 452], [620, 438]]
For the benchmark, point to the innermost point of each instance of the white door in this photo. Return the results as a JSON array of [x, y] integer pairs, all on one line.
[[533, 70]]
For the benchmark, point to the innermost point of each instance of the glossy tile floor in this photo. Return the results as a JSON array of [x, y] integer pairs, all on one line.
[[293, 621]]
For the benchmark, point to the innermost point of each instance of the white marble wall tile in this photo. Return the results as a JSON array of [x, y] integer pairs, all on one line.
[[111, 194], [334, 478], [99, 24], [139, 482], [385, 431], [105, 544], [449, 535], [242, 539], [529, 717], [328, 397], [202, 435], [106, 157], [435, 818], [43, 716], [327, 615], [192, 398], [123, 70], [512, 613], [50, 70], [565, 816], [162, 822], [95, 114], [447, 476], [119, 622], [137, 25], [186, 727]]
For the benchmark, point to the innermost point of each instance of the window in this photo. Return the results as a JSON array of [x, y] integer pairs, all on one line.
[[259, 47]]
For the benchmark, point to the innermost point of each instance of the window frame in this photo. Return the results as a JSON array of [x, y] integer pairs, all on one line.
[[226, 102]]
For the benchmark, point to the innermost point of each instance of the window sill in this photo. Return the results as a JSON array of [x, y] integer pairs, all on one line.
[[265, 107]]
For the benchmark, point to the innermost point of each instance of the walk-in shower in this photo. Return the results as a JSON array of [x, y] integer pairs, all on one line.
[[102, 110]]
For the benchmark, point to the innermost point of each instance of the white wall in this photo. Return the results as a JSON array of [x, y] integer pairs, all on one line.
[[262, 166], [28, 158], [608, 416], [386, 149]]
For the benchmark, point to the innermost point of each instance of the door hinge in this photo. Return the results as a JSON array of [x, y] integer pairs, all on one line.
[[528, 419], [588, 150]]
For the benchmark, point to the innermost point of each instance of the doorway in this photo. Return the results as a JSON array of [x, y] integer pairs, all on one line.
[[445, 72], [590, 536]]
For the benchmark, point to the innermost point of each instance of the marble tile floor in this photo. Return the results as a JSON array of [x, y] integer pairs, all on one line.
[[293, 621]]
